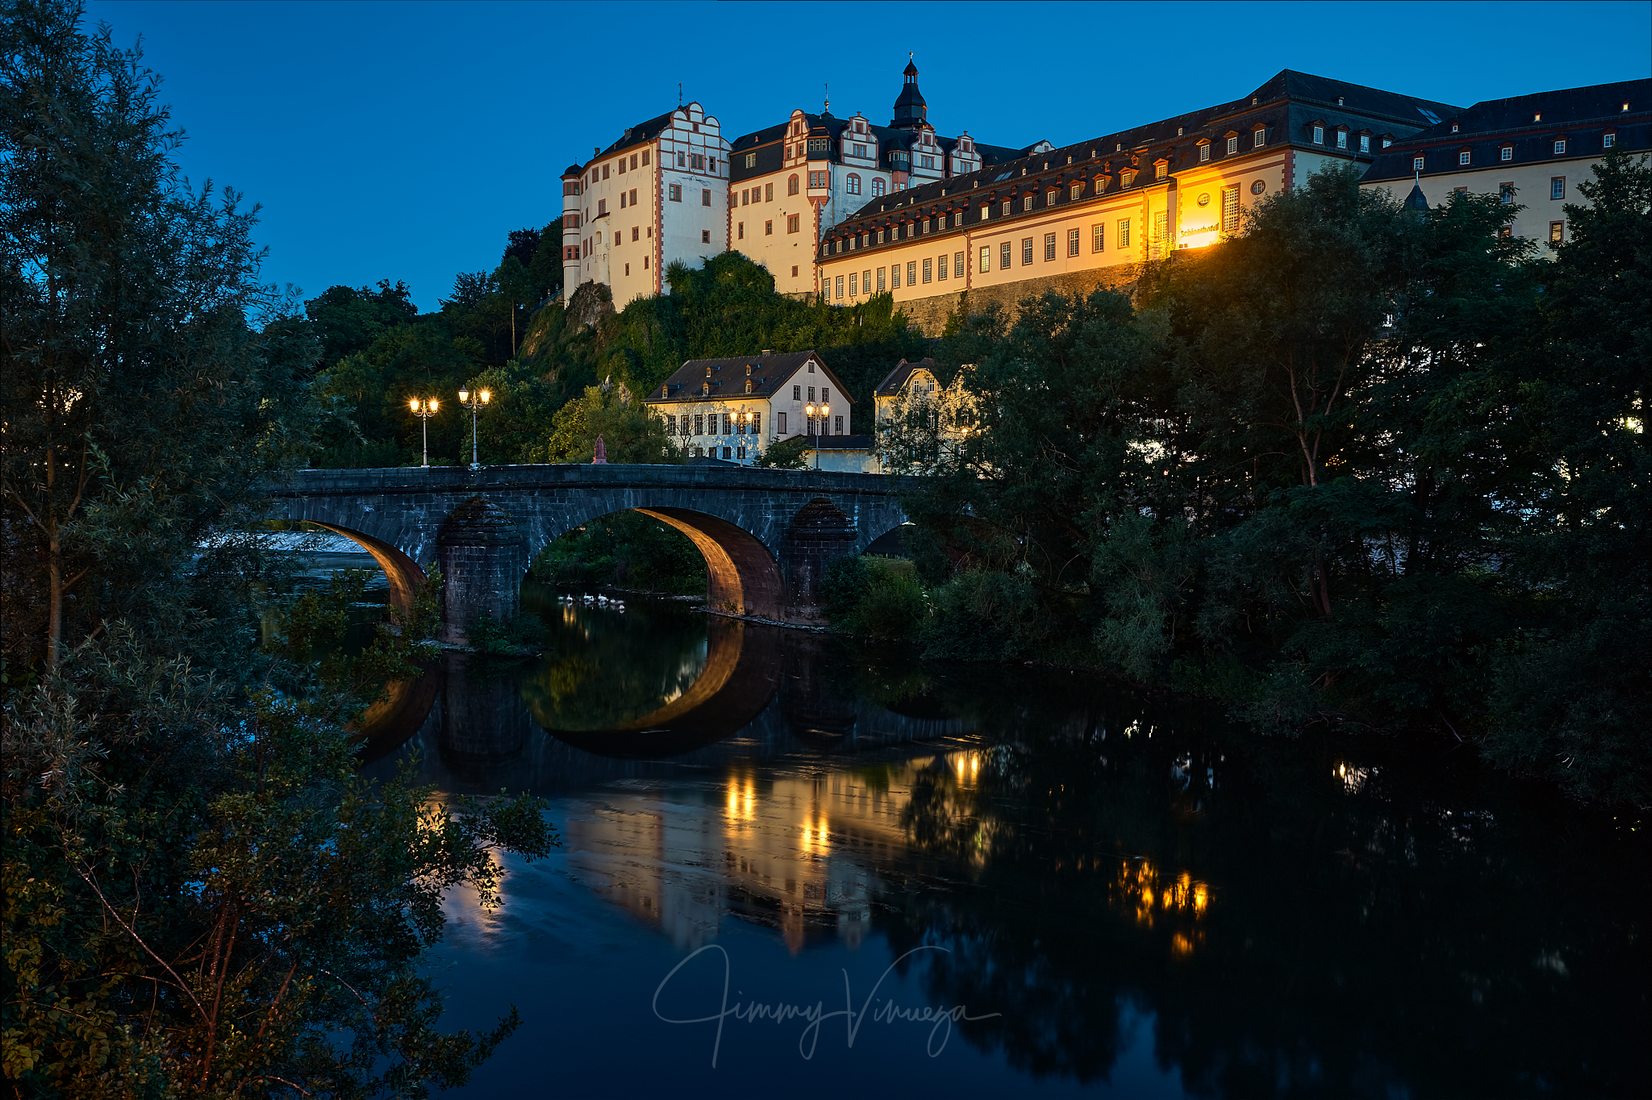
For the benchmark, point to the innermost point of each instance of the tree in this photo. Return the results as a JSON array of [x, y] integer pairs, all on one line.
[[348, 319], [629, 431], [201, 896]]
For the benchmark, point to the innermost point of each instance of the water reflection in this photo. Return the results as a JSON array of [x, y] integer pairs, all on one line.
[[1154, 906]]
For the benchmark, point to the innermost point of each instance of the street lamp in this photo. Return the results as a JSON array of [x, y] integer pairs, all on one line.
[[744, 417], [474, 402], [424, 408], [825, 411]]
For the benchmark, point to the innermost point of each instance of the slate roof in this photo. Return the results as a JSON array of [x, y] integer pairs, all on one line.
[[727, 378], [1530, 124], [896, 380], [1287, 105], [636, 135], [769, 145]]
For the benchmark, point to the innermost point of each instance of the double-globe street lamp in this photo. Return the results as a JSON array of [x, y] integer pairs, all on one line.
[[810, 410], [474, 402], [424, 408]]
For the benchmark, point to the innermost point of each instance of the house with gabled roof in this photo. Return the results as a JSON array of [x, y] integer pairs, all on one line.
[[733, 408]]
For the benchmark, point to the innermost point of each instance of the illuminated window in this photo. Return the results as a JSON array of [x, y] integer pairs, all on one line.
[[853, 184], [1557, 234], [986, 257], [1230, 209], [1124, 233]]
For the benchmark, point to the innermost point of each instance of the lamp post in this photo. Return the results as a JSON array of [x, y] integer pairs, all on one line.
[[474, 402], [424, 408], [824, 410]]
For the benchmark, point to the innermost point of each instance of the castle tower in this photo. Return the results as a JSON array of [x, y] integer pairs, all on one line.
[[910, 109]]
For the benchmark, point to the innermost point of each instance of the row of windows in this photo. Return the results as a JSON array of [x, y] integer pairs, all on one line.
[[748, 195], [601, 172], [1341, 138], [1505, 153], [674, 192], [736, 424]]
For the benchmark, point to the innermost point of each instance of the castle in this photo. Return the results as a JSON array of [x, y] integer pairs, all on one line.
[[846, 209]]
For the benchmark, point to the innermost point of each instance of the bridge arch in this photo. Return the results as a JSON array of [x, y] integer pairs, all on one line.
[[401, 571]]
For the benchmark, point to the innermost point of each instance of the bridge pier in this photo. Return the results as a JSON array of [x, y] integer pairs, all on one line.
[[820, 534], [483, 558]]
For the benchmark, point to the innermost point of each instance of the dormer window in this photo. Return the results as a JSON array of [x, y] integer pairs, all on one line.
[[1319, 134], [1342, 137], [748, 385], [705, 389], [748, 370], [1161, 169], [1365, 143], [1416, 164], [1259, 137], [1609, 139], [1463, 158], [1506, 153], [1128, 177], [1559, 146], [1233, 144], [1204, 151]]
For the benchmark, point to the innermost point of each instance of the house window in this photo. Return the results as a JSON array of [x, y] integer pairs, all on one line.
[[697, 161], [837, 425], [797, 393], [1230, 209], [1027, 201], [1124, 233], [826, 288], [877, 187], [1557, 187], [705, 196], [634, 232], [1026, 251], [1049, 247], [1608, 140], [957, 219], [1365, 143], [1506, 153], [940, 273], [780, 423], [645, 158], [1098, 237], [866, 282], [1004, 256], [675, 192], [1160, 170], [756, 423], [957, 265], [1342, 138], [1505, 193], [751, 160], [853, 184], [699, 424], [1463, 157], [854, 283], [1416, 164], [1006, 208], [1559, 146], [912, 273], [705, 236], [739, 231], [1557, 234], [792, 222], [1259, 137], [1072, 242], [1075, 191], [791, 185], [986, 257], [880, 280], [1204, 151], [1319, 134], [894, 276], [840, 286]]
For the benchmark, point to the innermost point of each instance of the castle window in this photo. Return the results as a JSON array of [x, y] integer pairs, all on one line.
[[1072, 242], [1049, 247], [1027, 201], [860, 150], [853, 184], [1124, 233], [791, 186], [1098, 237], [645, 158], [1258, 137], [1609, 139], [1319, 134], [1557, 187], [957, 219], [768, 228], [880, 280], [705, 196], [1026, 251], [986, 257], [894, 276], [705, 236], [1463, 157], [751, 160], [1557, 234], [958, 265], [941, 268], [1161, 169], [911, 272], [675, 192], [1075, 191], [1365, 143], [854, 283], [929, 268], [877, 187], [1559, 146], [1233, 145], [1006, 209], [1505, 193], [1128, 177], [1416, 164], [1004, 256], [1342, 138], [1230, 209], [792, 222]]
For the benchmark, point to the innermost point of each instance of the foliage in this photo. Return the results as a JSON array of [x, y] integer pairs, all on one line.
[[624, 550], [629, 432], [787, 454], [875, 599], [201, 896]]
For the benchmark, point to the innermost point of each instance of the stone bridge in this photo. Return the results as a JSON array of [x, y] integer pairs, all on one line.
[[766, 535]]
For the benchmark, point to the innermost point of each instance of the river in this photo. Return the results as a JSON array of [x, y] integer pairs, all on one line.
[[789, 861]]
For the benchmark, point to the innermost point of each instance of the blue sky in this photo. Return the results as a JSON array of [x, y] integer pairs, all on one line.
[[405, 140]]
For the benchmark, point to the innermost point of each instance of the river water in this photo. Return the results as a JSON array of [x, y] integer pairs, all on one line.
[[794, 865]]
